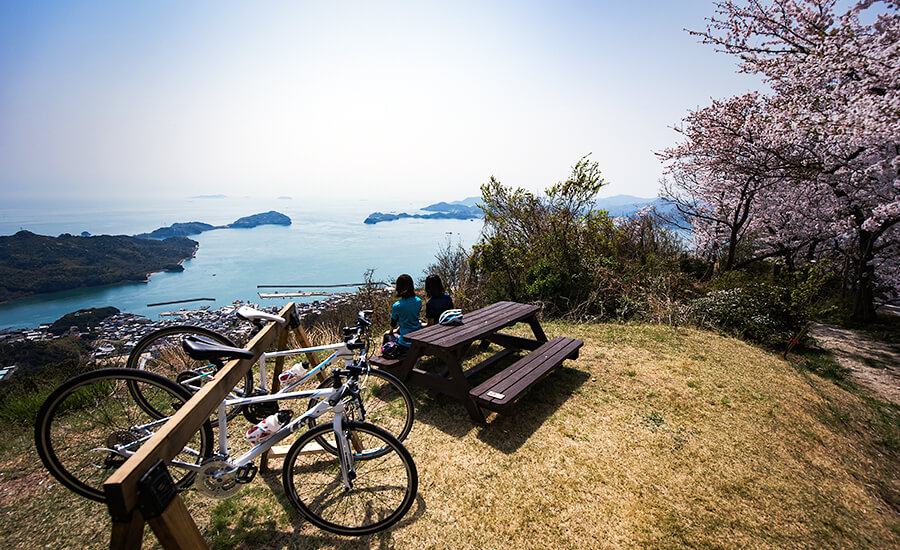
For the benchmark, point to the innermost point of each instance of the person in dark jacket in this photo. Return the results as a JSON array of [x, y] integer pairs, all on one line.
[[438, 300]]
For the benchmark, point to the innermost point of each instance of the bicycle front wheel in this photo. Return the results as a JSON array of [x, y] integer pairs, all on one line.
[[160, 352], [381, 492], [87, 427]]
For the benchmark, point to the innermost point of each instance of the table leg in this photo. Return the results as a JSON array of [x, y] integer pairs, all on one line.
[[537, 330], [405, 367], [460, 386]]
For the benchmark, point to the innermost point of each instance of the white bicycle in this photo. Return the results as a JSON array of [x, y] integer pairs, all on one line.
[[346, 476]]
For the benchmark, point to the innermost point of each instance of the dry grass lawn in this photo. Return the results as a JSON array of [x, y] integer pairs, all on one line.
[[654, 437]]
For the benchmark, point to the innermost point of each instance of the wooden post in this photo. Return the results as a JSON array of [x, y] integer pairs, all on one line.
[[796, 339], [128, 534], [279, 361], [175, 528]]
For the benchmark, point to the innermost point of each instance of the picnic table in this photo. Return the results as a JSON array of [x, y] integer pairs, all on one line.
[[452, 343]]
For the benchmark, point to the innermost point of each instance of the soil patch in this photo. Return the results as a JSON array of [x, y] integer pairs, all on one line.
[[874, 365]]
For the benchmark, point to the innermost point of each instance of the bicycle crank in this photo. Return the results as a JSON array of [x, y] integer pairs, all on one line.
[[217, 479]]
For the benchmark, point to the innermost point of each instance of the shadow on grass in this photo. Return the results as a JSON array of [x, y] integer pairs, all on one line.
[[878, 418], [505, 432], [821, 362], [319, 538]]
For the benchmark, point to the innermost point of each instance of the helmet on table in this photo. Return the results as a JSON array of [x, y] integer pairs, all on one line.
[[451, 317]]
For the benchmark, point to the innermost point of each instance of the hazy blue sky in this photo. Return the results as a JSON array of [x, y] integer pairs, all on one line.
[[424, 100]]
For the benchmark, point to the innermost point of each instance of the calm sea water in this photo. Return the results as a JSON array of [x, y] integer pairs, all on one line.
[[326, 244]]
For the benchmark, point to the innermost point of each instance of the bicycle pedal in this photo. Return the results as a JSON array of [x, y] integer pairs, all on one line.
[[246, 473]]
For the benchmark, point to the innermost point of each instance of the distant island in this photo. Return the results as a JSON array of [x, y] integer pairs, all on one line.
[[617, 206], [193, 228], [33, 264], [459, 210]]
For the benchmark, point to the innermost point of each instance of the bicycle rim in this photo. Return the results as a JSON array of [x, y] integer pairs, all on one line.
[[382, 492], [83, 420], [160, 352]]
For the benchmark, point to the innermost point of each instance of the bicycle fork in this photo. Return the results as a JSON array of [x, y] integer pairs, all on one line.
[[348, 465]]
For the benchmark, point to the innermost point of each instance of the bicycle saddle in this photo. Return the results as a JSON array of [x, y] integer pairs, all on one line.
[[205, 349], [250, 314]]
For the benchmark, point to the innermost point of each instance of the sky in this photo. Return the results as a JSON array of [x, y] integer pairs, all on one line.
[[421, 100]]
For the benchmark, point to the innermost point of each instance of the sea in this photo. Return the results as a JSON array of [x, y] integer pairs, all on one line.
[[326, 244]]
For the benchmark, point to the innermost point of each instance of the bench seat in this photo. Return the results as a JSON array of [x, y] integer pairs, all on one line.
[[383, 362], [501, 390]]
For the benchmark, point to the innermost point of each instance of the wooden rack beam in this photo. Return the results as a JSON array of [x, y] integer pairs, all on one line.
[[174, 526]]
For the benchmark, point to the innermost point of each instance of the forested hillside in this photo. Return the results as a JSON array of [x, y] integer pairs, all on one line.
[[35, 264]]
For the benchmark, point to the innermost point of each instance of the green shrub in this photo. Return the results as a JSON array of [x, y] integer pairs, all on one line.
[[761, 313], [558, 250]]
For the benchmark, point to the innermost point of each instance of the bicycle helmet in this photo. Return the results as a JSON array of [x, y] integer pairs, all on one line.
[[391, 350], [451, 317]]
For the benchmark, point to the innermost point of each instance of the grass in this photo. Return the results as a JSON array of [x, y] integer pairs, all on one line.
[[655, 437]]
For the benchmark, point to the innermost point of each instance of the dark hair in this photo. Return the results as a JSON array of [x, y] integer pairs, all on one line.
[[433, 286], [405, 287]]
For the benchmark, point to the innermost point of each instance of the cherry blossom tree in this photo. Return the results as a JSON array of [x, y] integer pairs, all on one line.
[[831, 123], [724, 177]]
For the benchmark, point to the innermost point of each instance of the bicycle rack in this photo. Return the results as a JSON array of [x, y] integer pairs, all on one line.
[[141, 490]]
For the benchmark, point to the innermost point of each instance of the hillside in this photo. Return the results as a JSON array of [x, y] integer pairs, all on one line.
[[616, 206], [195, 228], [654, 437], [36, 264]]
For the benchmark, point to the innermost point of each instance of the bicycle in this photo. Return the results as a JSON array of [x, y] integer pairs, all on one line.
[[390, 405], [365, 482], [160, 351]]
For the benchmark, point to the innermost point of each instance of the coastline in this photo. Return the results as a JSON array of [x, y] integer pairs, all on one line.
[[329, 246], [121, 331], [181, 261]]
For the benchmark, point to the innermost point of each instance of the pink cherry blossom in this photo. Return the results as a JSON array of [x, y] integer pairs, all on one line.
[[811, 166]]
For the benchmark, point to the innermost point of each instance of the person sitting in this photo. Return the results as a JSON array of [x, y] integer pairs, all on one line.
[[438, 300], [405, 311]]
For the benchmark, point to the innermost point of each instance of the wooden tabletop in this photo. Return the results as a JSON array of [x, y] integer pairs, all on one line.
[[475, 325]]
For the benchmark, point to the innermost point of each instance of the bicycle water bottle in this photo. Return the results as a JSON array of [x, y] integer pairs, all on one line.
[[262, 431], [293, 374]]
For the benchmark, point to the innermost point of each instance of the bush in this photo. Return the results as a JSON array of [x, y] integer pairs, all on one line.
[[558, 250], [22, 395], [761, 313]]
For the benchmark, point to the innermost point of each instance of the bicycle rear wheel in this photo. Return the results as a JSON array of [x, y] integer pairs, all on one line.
[[385, 399], [160, 352], [88, 426], [382, 491]]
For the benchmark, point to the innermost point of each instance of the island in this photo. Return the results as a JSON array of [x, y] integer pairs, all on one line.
[[467, 209], [194, 228], [82, 320], [33, 264]]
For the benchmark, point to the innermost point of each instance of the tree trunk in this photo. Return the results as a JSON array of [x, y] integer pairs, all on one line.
[[863, 294]]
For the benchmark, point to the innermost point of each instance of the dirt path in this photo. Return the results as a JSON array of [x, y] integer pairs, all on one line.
[[874, 365]]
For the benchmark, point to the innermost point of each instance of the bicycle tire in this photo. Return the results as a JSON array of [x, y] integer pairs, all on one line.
[[97, 410], [160, 352], [386, 400], [383, 490]]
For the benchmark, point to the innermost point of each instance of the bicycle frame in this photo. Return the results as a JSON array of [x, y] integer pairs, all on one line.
[[330, 399], [339, 351]]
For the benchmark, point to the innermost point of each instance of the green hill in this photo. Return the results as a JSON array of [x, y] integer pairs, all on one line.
[[36, 264]]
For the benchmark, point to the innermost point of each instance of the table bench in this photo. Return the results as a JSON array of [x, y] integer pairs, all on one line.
[[503, 389], [451, 343]]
